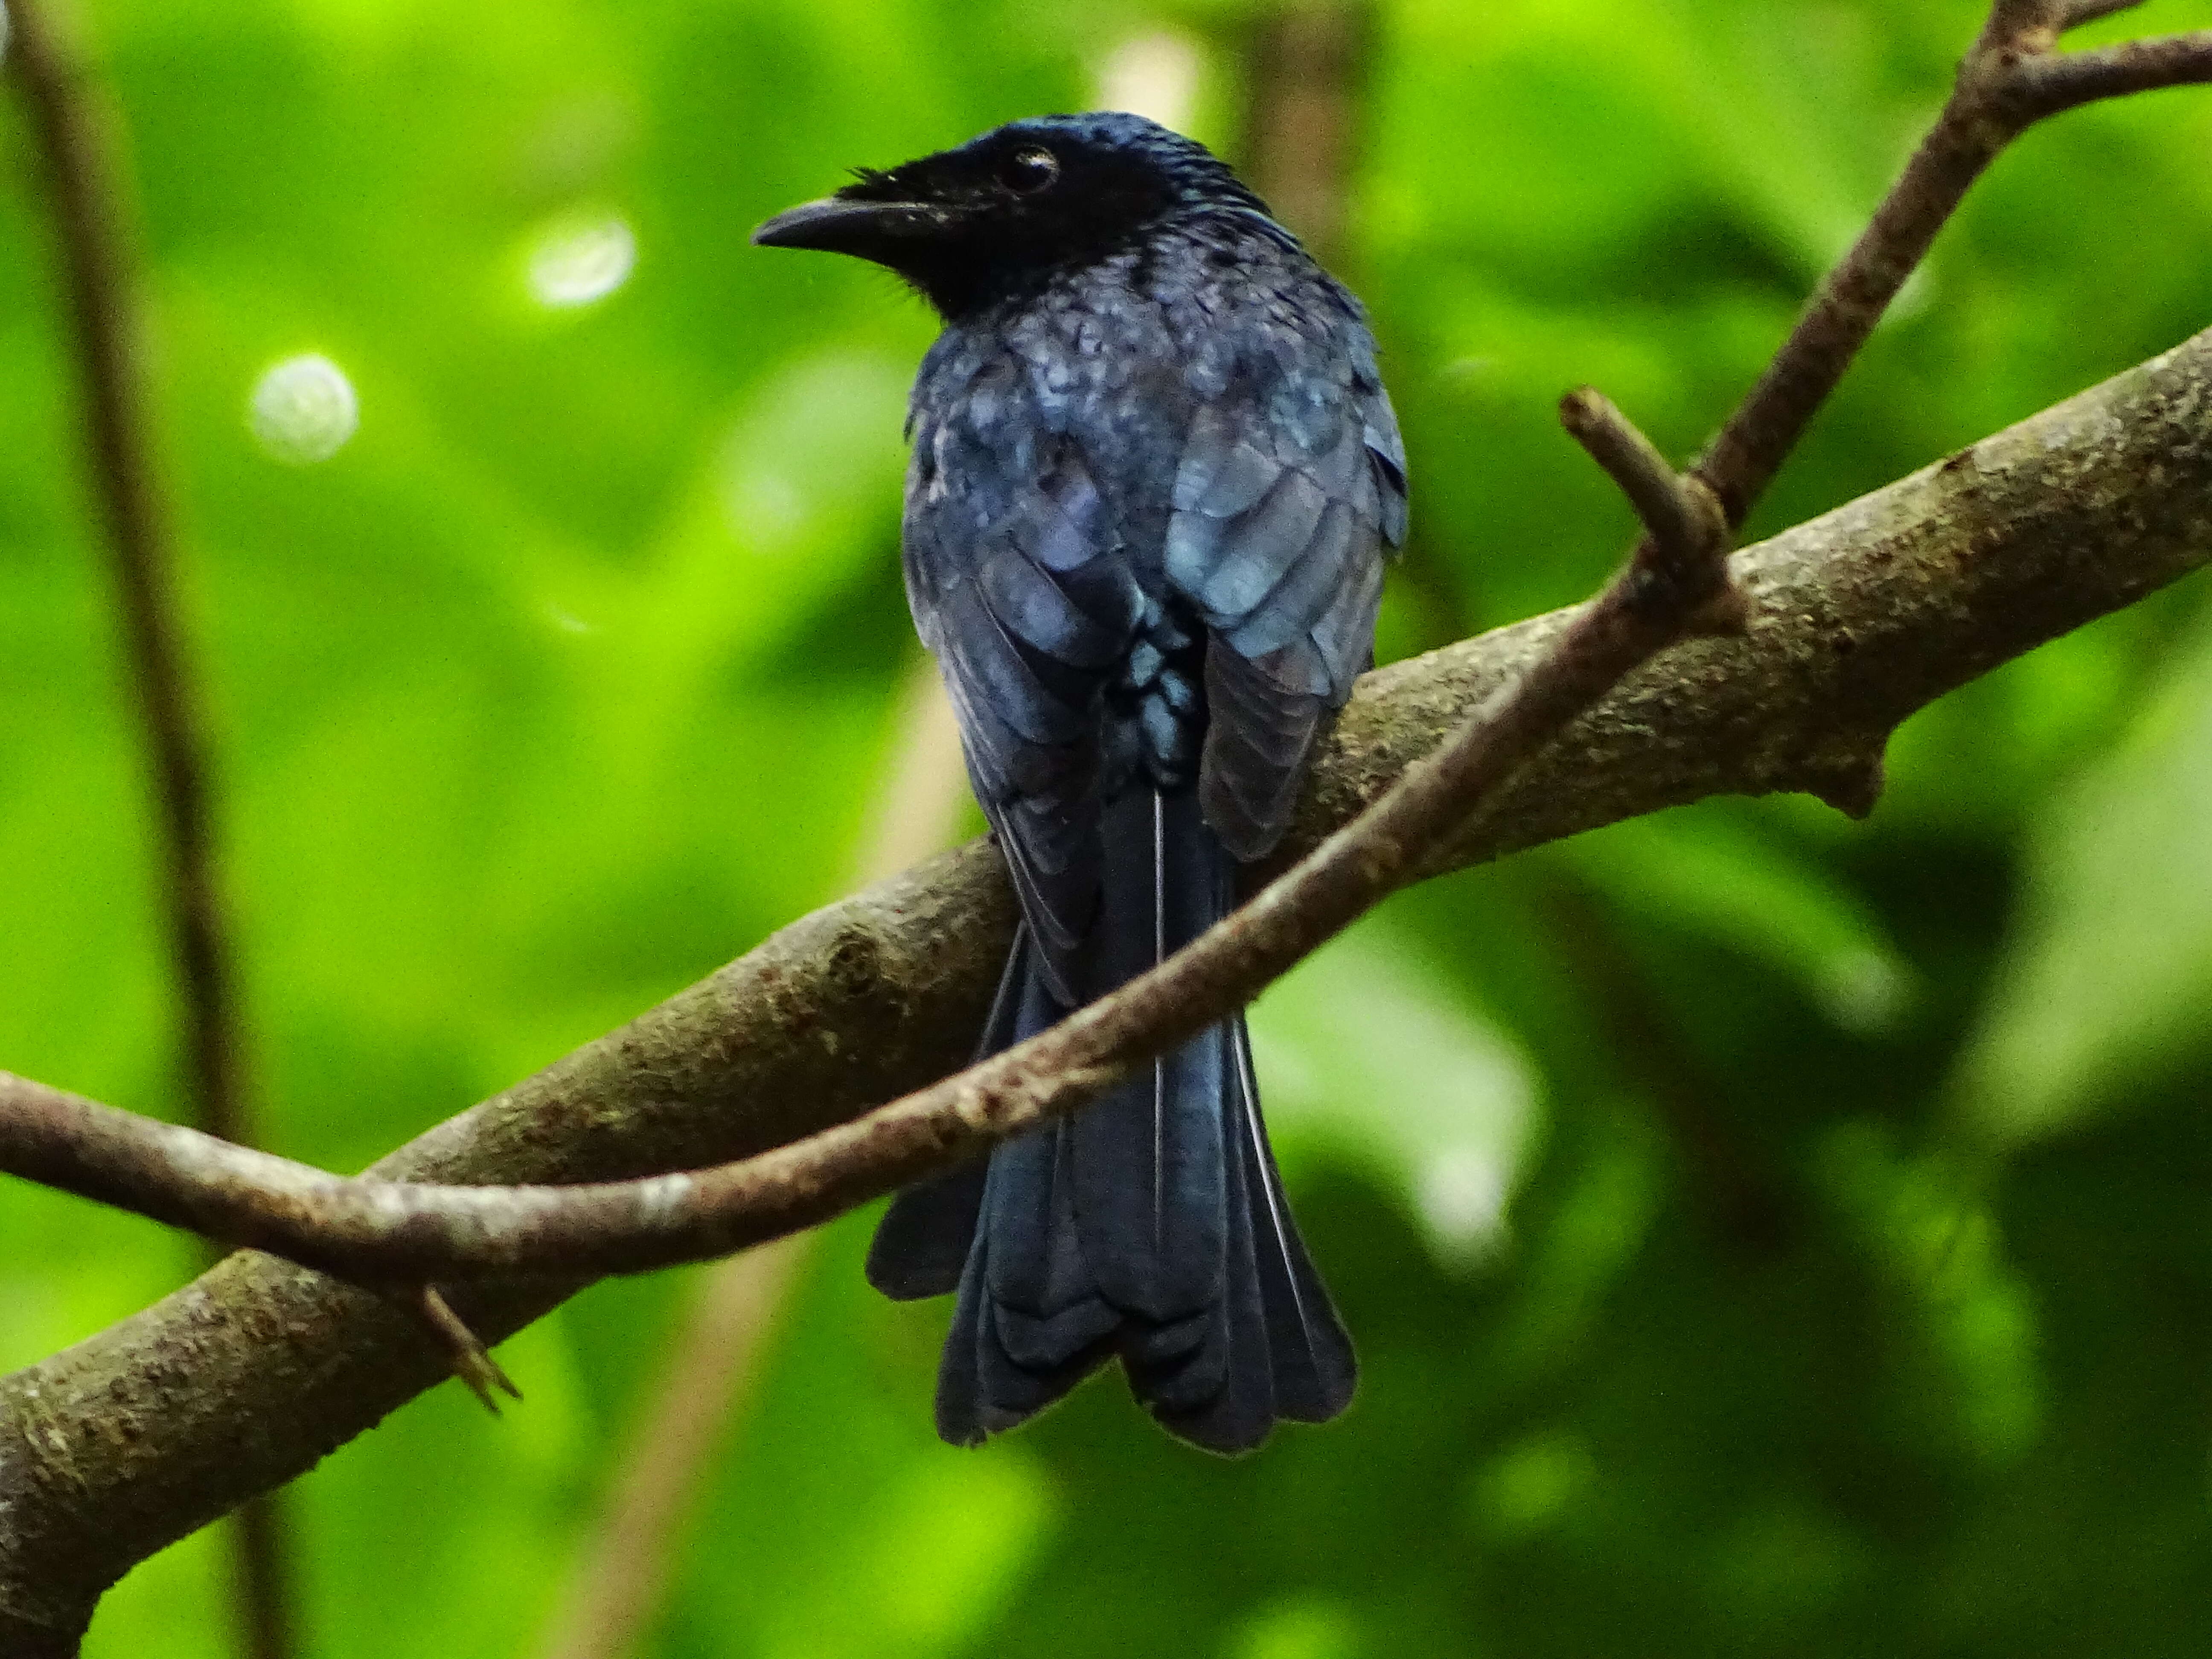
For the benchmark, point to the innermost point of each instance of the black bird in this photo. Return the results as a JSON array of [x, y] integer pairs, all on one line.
[[1155, 480]]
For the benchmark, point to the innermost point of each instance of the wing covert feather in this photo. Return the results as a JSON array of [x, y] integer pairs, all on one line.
[[1009, 556], [1289, 498]]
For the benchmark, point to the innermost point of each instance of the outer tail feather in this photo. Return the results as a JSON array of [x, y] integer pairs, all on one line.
[[1314, 1369], [1237, 1412], [1151, 1225], [921, 1244]]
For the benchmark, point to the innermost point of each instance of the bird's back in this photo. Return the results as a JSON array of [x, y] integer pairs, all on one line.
[[1187, 442]]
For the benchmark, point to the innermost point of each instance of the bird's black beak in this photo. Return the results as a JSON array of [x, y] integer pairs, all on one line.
[[880, 231]]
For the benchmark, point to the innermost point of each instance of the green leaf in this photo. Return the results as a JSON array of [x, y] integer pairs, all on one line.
[[1704, 871], [1363, 1049]]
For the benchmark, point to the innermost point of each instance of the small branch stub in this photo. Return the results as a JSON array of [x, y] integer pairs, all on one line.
[[1684, 554], [1852, 786], [472, 1361]]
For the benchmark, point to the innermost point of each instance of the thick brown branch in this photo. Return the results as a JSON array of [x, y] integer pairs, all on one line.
[[112, 1449]]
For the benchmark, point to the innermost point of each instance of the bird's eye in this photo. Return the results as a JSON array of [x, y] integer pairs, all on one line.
[[1029, 171]]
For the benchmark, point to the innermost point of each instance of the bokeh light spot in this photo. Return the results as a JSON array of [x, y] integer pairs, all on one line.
[[303, 410], [577, 260], [1156, 74], [1463, 1196]]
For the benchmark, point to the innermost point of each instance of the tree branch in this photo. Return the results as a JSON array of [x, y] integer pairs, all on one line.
[[1306, 68], [2048, 86], [2010, 79], [81, 175], [114, 1448], [1745, 1204], [1684, 527], [2075, 14]]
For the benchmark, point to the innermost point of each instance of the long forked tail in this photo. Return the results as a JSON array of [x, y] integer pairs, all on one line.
[[1151, 1225]]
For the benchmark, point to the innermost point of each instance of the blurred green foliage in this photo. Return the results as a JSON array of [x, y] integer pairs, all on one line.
[[1765, 1234]]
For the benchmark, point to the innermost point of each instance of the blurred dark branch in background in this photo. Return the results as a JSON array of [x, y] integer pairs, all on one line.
[[1306, 69], [79, 136], [623, 1575], [1559, 724], [83, 174], [1739, 1195]]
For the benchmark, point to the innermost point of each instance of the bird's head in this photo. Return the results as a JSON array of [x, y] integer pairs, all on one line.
[[1005, 210]]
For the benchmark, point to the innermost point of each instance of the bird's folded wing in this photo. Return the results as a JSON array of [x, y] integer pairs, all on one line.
[[1016, 588], [1288, 498]]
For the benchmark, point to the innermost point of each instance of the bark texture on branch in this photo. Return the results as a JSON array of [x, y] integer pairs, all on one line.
[[243, 1380]]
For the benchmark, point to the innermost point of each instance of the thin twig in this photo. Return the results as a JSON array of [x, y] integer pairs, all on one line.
[[2010, 80], [1684, 528], [1679, 513], [471, 1361], [2050, 86], [2036, 25], [84, 171], [2020, 25], [2088, 11]]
